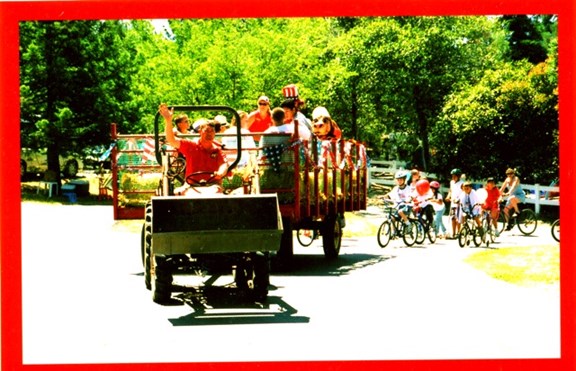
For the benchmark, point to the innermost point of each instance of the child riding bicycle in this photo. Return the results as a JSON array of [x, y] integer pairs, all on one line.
[[401, 194], [470, 204], [491, 203]]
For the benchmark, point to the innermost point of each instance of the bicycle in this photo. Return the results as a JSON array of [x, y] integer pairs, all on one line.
[[489, 235], [555, 230], [393, 227], [470, 232], [425, 226], [525, 220]]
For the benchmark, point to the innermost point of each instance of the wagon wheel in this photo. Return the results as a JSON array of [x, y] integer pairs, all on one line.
[[252, 275], [306, 236], [331, 236]]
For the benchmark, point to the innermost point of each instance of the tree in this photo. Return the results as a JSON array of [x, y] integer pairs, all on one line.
[[399, 70], [525, 37], [508, 119], [75, 81]]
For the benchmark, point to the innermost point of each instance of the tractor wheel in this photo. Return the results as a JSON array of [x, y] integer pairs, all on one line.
[[331, 236], [146, 245], [162, 281], [252, 276]]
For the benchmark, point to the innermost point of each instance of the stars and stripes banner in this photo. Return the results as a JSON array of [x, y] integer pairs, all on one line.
[[148, 151], [274, 155]]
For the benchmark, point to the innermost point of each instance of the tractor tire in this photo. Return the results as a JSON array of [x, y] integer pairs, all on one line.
[[252, 276], [162, 281]]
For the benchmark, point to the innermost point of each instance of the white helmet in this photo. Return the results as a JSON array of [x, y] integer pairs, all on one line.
[[401, 174], [319, 111]]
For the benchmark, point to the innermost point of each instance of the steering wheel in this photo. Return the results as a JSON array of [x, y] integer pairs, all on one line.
[[177, 167], [203, 182]]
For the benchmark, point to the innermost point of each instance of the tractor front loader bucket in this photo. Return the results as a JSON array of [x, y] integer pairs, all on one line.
[[216, 224]]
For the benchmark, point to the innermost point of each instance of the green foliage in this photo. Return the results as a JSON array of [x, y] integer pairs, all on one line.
[[427, 90], [75, 78], [509, 119]]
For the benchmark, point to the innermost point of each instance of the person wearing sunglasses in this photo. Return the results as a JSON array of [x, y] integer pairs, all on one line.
[[260, 119], [205, 160]]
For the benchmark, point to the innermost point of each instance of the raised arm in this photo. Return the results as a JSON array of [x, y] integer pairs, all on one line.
[[167, 114]]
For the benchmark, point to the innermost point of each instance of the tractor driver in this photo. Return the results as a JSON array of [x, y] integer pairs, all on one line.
[[205, 161]]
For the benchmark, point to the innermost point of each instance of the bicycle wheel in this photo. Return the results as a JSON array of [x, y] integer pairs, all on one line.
[[501, 222], [527, 221], [556, 230], [384, 233], [432, 235], [306, 236], [489, 232], [463, 236], [477, 236], [420, 232], [409, 234]]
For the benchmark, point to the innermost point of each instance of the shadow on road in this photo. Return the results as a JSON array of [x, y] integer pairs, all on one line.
[[318, 265], [219, 308]]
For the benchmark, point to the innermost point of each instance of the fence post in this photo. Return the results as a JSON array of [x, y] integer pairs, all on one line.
[[369, 176], [537, 199]]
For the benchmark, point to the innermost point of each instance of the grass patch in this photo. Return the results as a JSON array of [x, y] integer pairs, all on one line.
[[359, 226], [524, 265]]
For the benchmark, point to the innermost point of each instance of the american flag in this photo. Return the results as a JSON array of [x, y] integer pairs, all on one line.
[[274, 155], [148, 151]]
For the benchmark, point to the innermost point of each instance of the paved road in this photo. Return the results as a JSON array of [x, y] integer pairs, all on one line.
[[84, 301]]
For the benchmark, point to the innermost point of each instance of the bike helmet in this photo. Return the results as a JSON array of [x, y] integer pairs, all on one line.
[[456, 171], [434, 184], [400, 174]]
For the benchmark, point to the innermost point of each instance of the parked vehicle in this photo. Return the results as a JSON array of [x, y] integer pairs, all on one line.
[[35, 162]]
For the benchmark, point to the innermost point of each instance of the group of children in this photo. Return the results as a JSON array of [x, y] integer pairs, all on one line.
[[464, 201]]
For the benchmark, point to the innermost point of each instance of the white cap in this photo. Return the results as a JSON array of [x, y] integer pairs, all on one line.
[[319, 111], [221, 119]]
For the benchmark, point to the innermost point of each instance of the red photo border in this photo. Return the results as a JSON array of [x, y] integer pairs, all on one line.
[[10, 216]]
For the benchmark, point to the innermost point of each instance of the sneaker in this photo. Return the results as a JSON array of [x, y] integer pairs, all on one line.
[[509, 227], [497, 233]]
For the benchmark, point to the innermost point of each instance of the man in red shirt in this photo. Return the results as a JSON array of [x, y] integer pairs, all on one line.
[[202, 155], [260, 119], [491, 203]]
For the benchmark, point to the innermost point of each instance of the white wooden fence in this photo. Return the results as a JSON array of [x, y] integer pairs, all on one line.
[[381, 173]]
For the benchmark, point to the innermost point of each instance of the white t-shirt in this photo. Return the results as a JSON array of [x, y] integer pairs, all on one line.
[[423, 200], [455, 191], [468, 200], [303, 132], [438, 207], [303, 120], [400, 195]]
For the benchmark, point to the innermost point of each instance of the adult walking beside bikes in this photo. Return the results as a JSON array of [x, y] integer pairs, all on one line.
[[454, 198], [515, 195]]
